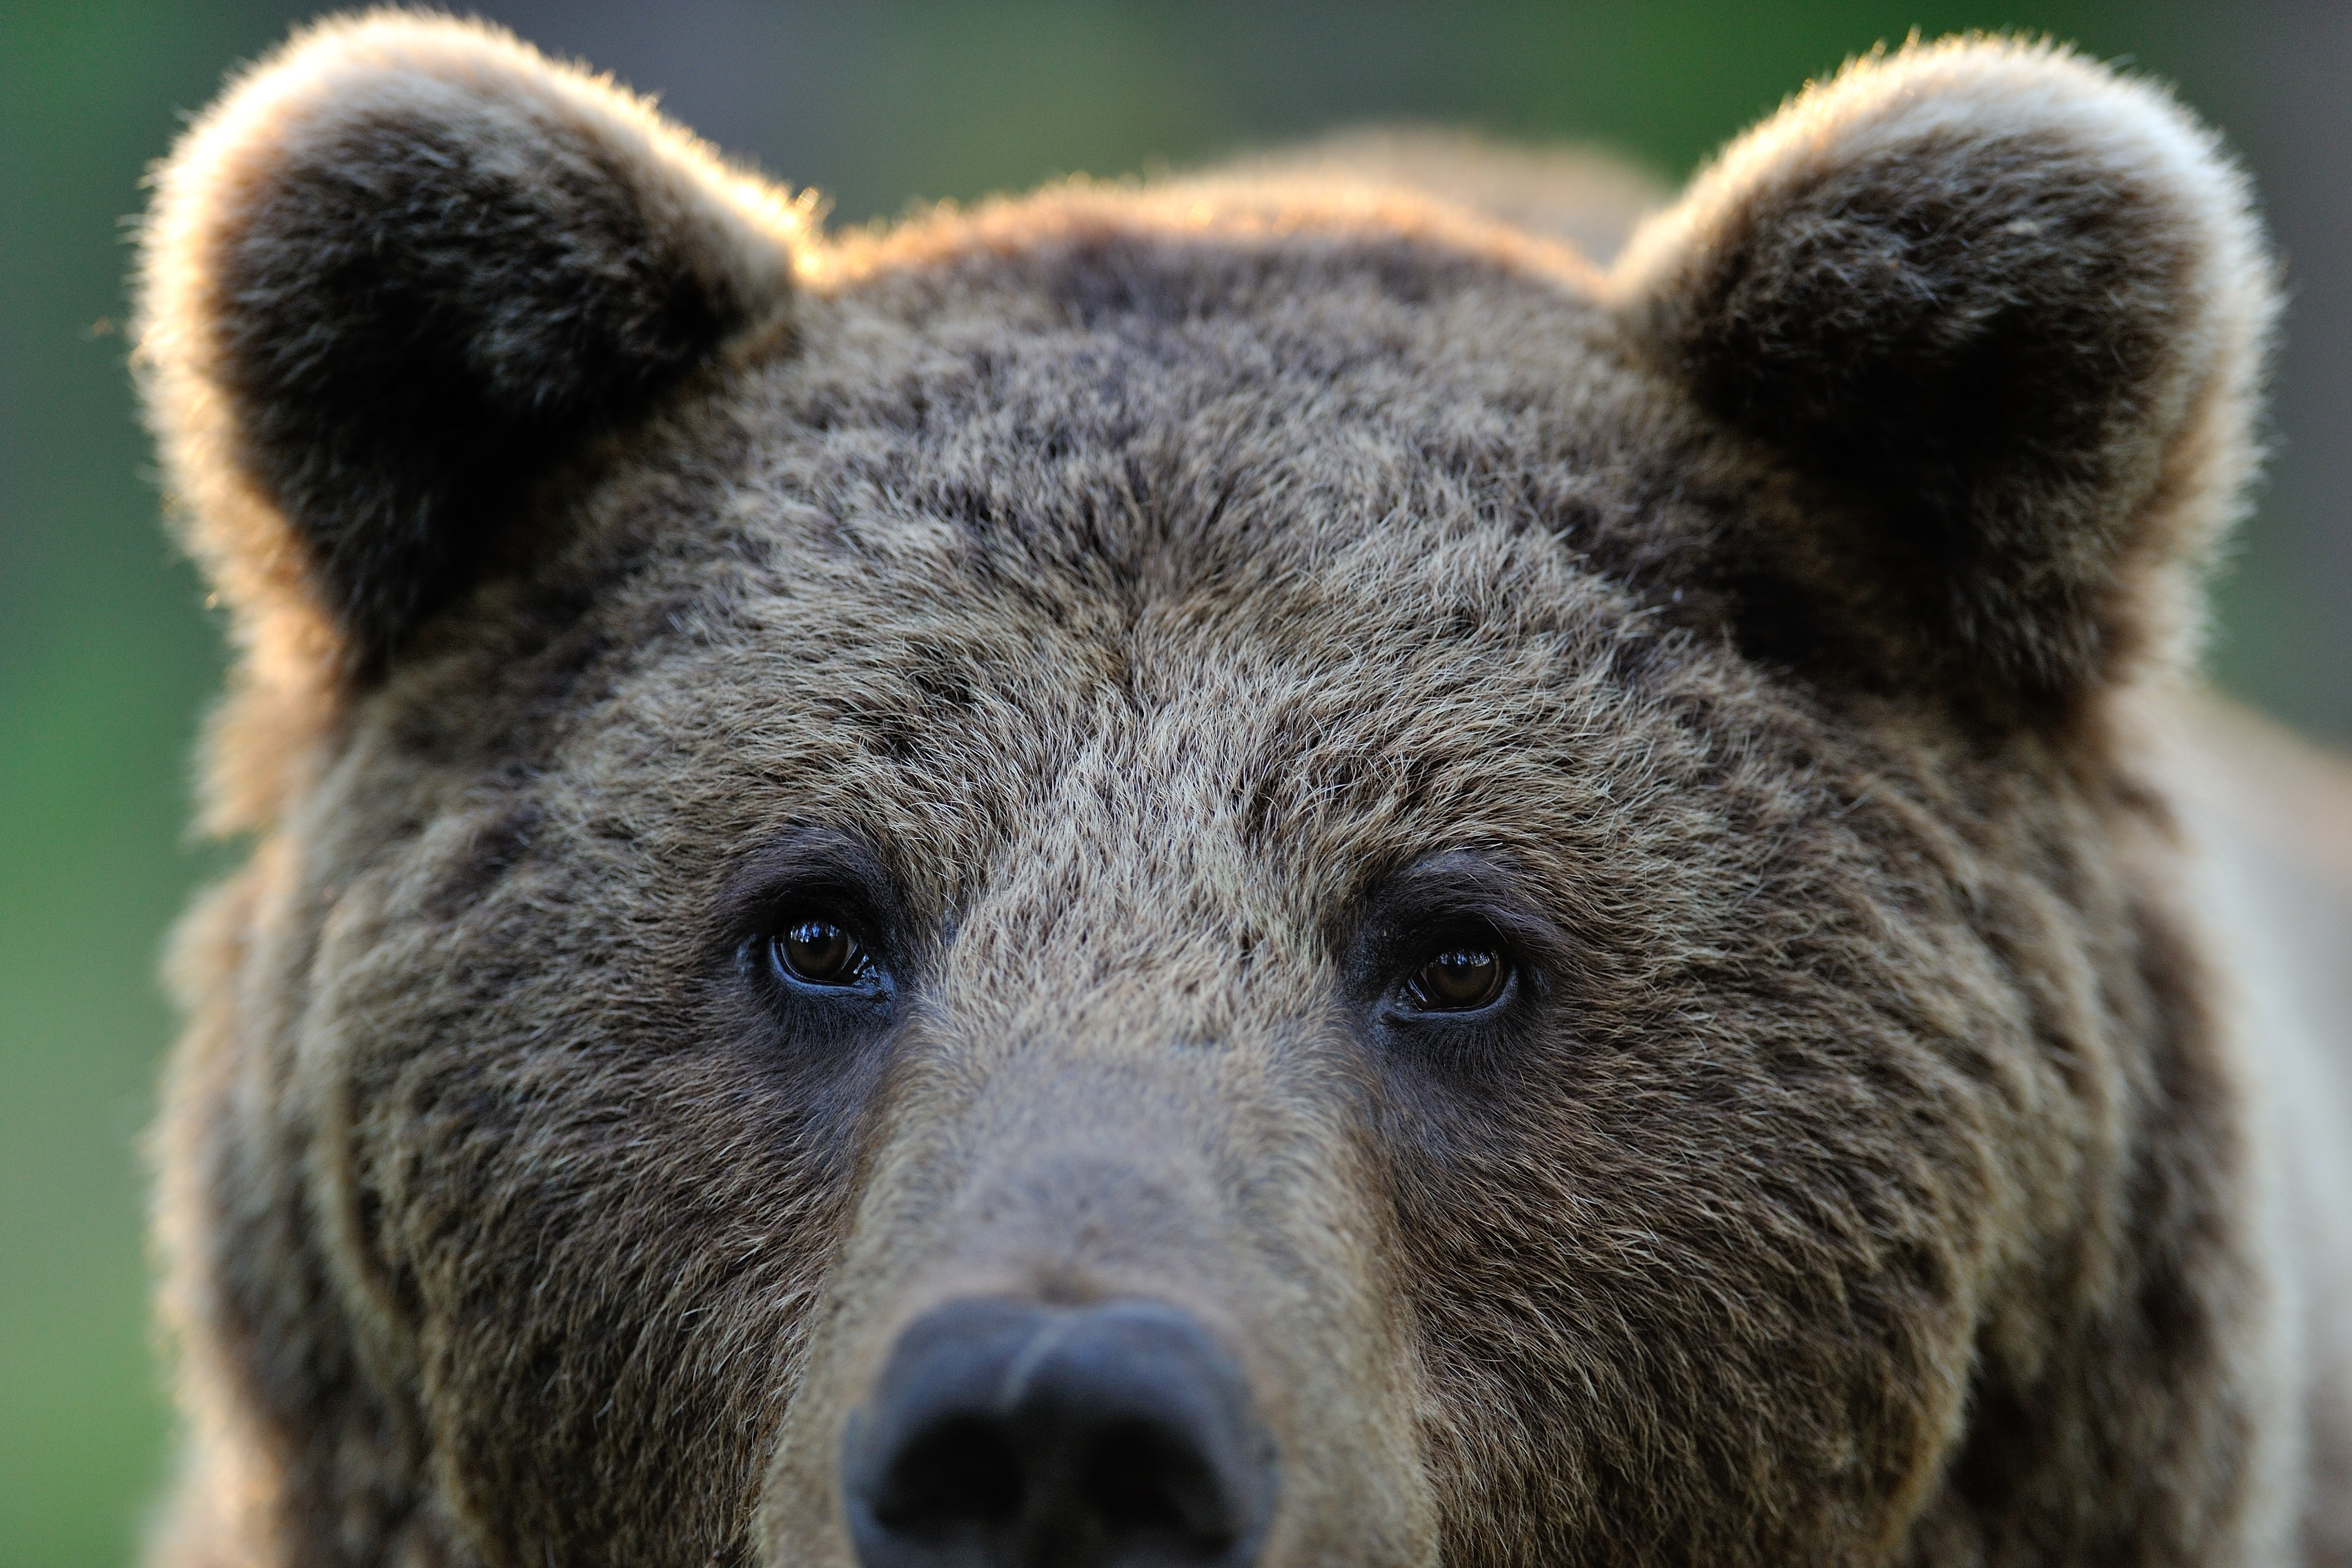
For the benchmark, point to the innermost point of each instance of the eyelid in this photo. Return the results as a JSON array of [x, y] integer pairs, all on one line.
[[1405, 946], [814, 873], [1462, 899]]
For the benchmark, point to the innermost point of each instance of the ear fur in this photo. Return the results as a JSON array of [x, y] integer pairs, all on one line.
[[394, 274], [2004, 312]]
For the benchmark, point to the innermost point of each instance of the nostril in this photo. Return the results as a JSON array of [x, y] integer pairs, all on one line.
[[1029, 1436], [958, 1477], [1140, 1482]]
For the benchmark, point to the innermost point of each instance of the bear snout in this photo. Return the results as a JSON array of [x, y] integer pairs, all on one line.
[[1010, 1433]]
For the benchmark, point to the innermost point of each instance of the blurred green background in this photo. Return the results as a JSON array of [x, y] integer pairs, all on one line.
[[107, 655]]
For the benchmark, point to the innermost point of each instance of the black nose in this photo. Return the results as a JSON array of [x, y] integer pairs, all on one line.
[[1029, 1436]]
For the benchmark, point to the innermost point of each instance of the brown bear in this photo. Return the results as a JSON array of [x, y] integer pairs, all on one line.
[[1258, 869]]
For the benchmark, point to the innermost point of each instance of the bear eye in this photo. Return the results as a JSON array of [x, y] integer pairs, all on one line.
[[820, 953], [1460, 980]]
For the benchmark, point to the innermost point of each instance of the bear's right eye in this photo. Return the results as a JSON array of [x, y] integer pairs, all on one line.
[[820, 953]]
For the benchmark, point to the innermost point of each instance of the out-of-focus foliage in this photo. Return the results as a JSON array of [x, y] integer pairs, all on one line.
[[108, 654]]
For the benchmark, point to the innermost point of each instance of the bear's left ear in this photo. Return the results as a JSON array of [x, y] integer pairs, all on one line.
[[398, 272], [2002, 313]]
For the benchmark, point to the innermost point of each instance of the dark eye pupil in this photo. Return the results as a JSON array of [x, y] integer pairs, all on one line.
[[820, 953], [1459, 982]]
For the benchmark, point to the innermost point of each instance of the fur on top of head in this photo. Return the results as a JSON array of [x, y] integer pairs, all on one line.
[[1997, 312]]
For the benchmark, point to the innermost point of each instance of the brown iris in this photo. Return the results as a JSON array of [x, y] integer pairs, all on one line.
[[1461, 981], [819, 953]]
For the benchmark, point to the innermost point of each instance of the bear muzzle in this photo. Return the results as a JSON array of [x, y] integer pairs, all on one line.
[[1063, 1334]]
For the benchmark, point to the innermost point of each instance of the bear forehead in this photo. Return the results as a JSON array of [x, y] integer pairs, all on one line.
[[1339, 549]]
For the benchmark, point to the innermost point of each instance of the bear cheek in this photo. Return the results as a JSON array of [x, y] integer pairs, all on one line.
[[1700, 1259], [588, 1320], [1639, 1325]]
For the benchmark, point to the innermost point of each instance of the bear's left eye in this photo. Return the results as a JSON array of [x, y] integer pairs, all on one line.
[[820, 953], [1460, 980]]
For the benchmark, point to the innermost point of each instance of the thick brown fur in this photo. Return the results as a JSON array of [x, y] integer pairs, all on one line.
[[1133, 606]]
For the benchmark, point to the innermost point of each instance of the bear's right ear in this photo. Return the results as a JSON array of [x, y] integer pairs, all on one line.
[[399, 271]]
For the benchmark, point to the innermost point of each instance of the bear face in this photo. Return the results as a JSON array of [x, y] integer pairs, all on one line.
[[1551, 865]]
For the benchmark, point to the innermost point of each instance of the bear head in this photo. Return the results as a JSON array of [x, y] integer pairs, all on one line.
[[1253, 869]]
